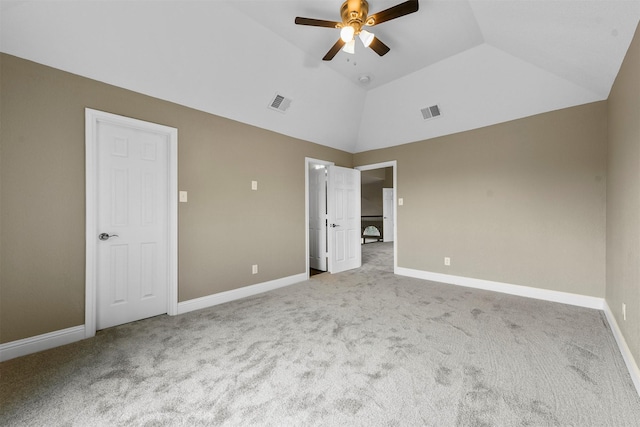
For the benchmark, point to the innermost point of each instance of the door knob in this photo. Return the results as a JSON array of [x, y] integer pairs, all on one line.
[[334, 225], [106, 236]]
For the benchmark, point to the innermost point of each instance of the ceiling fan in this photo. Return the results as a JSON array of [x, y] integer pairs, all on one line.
[[354, 15]]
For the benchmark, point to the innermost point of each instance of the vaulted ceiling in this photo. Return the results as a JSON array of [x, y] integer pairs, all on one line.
[[482, 61]]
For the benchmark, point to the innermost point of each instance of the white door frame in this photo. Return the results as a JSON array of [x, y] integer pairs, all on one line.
[[92, 118], [308, 161], [392, 164], [318, 213]]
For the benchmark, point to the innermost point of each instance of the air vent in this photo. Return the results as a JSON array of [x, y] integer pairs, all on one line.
[[280, 103], [430, 112]]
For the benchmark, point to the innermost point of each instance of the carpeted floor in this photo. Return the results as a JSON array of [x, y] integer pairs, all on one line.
[[358, 348]]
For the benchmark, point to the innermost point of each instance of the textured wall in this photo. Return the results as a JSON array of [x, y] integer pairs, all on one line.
[[623, 198], [223, 230], [521, 202]]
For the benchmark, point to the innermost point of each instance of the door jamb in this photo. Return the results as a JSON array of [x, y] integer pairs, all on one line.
[[92, 118], [307, 162], [393, 164]]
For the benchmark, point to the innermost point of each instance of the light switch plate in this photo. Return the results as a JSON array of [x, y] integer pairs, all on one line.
[[400, 201], [254, 185], [183, 197]]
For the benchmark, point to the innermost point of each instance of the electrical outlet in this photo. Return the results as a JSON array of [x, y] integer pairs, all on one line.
[[254, 185], [254, 269], [447, 260], [624, 311]]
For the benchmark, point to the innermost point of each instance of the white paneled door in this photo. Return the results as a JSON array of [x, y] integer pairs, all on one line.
[[132, 235], [343, 206], [387, 215]]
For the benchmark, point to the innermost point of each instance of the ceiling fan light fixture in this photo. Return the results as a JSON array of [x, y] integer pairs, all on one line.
[[350, 47], [346, 33], [366, 37], [355, 14]]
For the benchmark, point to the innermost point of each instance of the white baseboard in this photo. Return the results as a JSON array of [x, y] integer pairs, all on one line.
[[632, 366], [49, 340], [234, 294], [506, 288], [542, 294], [53, 339], [42, 342]]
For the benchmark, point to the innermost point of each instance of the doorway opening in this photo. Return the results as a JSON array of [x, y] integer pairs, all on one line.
[[316, 215], [332, 217], [379, 205]]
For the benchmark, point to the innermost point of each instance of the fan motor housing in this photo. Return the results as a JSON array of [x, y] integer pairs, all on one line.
[[354, 17]]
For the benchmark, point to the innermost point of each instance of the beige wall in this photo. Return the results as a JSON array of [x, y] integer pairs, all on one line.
[[521, 202], [623, 198], [223, 230], [373, 181], [371, 199], [388, 177]]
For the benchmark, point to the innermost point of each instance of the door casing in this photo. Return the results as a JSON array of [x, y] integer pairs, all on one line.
[[392, 164], [308, 161], [92, 118], [318, 217]]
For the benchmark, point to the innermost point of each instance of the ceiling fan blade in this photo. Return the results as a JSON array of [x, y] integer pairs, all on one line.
[[394, 12], [335, 49], [379, 47], [317, 22]]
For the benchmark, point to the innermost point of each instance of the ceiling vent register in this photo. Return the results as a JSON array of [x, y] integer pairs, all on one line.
[[432, 112], [280, 103]]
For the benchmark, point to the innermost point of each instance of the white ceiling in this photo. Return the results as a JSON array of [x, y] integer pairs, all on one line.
[[482, 61]]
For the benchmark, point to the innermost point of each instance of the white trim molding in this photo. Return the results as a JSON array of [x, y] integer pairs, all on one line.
[[541, 294], [235, 294], [30, 345], [92, 118], [632, 365], [506, 288]]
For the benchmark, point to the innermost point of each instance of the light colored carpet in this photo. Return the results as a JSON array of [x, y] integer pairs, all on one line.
[[359, 348]]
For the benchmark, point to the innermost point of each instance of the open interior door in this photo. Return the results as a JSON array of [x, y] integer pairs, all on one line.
[[387, 214], [343, 212]]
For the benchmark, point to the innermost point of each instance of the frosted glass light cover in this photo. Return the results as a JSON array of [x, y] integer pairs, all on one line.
[[366, 37], [346, 33], [350, 47]]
